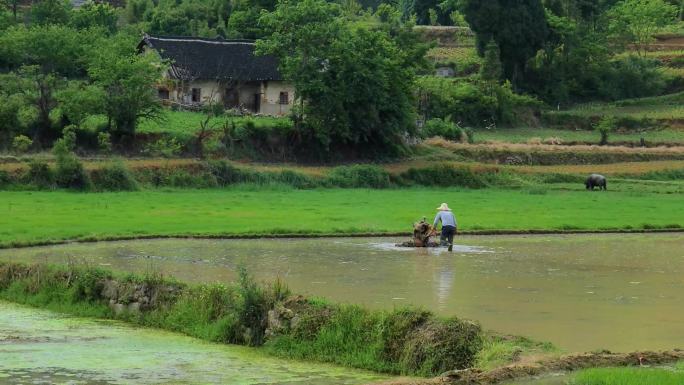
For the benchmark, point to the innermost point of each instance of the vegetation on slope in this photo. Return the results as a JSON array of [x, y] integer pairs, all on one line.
[[403, 341]]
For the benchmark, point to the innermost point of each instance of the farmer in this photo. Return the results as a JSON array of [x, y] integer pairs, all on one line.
[[448, 219]]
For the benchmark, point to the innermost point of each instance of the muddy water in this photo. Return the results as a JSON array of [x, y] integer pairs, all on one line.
[[582, 292], [40, 347]]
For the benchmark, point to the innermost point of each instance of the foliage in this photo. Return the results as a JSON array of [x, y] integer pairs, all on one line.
[[46, 12], [359, 176], [475, 103], [491, 65], [95, 14], [69, 172], [39, 175], [113, 177], [354, 84], [637, 21], [104, 142], [128, 80], [21, 144], [444, 128], [167, 148], [605, 126], [519, 28]]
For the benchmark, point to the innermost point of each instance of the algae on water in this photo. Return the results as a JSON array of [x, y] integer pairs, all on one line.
[[42, 347]]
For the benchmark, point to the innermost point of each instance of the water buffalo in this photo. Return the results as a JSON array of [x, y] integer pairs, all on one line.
[[596, 180]]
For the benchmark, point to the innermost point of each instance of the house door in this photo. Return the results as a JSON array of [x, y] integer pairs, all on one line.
[[231, 98], [257, 103]]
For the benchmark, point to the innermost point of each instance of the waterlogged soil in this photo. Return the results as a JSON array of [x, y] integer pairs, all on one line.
[[621, 292], [41, 347]]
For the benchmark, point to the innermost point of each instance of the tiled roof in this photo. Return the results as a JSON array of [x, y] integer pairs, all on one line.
[[201, 58]]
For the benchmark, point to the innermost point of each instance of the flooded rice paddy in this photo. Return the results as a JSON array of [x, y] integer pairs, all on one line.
[[582, 292], [41, 347]]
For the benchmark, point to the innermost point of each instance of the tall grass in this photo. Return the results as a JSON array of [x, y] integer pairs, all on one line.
[[628, 376], [407, 341]]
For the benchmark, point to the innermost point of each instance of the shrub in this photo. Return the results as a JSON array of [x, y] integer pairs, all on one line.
[[295, 179], [70, 172], [444, 128], [442, 345], [40, 175], [104, 142], [444, 175], [605, 126], [114, 177], [166, 148], [21, 144], [225, 173], [4, 178], [359, 176]]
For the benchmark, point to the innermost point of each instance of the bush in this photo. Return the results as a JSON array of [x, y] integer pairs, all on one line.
[[442, 345], [605, 126], [21, 144], [104, 142], [359, 176], [5, 179], [40, 175], [166, 148], [444, 128], [114, 177], [444, 175], [225, 173], [70, 172]]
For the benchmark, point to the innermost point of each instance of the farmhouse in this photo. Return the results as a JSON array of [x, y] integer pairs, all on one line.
[[220, 71]]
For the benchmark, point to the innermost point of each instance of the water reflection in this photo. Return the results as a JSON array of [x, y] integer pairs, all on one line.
[[583, 292]]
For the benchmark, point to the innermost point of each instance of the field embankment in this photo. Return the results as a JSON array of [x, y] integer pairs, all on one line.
[[403, 341], [48, 217]]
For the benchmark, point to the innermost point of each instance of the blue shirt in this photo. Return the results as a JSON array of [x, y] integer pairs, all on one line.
[[447, 218]]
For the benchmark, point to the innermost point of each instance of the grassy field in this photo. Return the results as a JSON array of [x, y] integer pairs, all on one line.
[[666, 107], [630, 376], [186, 123], [533, 135], [35, 217]]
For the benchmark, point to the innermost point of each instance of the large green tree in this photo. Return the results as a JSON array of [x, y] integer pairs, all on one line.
[[354, 84], [518, 27], [637, 21], [129, 83]]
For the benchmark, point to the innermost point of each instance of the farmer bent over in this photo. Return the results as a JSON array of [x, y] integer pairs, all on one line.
[[448, 219]]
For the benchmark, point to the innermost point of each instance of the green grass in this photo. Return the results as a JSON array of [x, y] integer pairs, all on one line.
[[657, 107], [628, 376], [182, 124], [524, 135], [403, 341], [34, 217], [499, 351]]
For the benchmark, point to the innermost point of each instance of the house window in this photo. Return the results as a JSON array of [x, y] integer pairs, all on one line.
[[163, 94], [196, 95], [283, 99]]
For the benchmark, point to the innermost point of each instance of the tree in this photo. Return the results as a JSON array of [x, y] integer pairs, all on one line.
[[518, 27], [354, 84], [93, 14], [46, 12], [129, 82], [637, 21], [78, 100], [491, 65]]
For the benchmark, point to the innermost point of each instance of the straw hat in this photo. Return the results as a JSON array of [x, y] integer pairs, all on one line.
[[444, 207]]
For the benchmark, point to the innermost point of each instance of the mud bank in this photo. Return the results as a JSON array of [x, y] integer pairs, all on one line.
[[113, 238], [546, 366], [405, 341]]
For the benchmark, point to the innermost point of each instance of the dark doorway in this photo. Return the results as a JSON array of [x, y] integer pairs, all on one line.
[[231, 98], [257, 102]]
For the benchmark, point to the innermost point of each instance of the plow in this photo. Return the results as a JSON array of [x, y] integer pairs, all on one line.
[[423, 232]]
